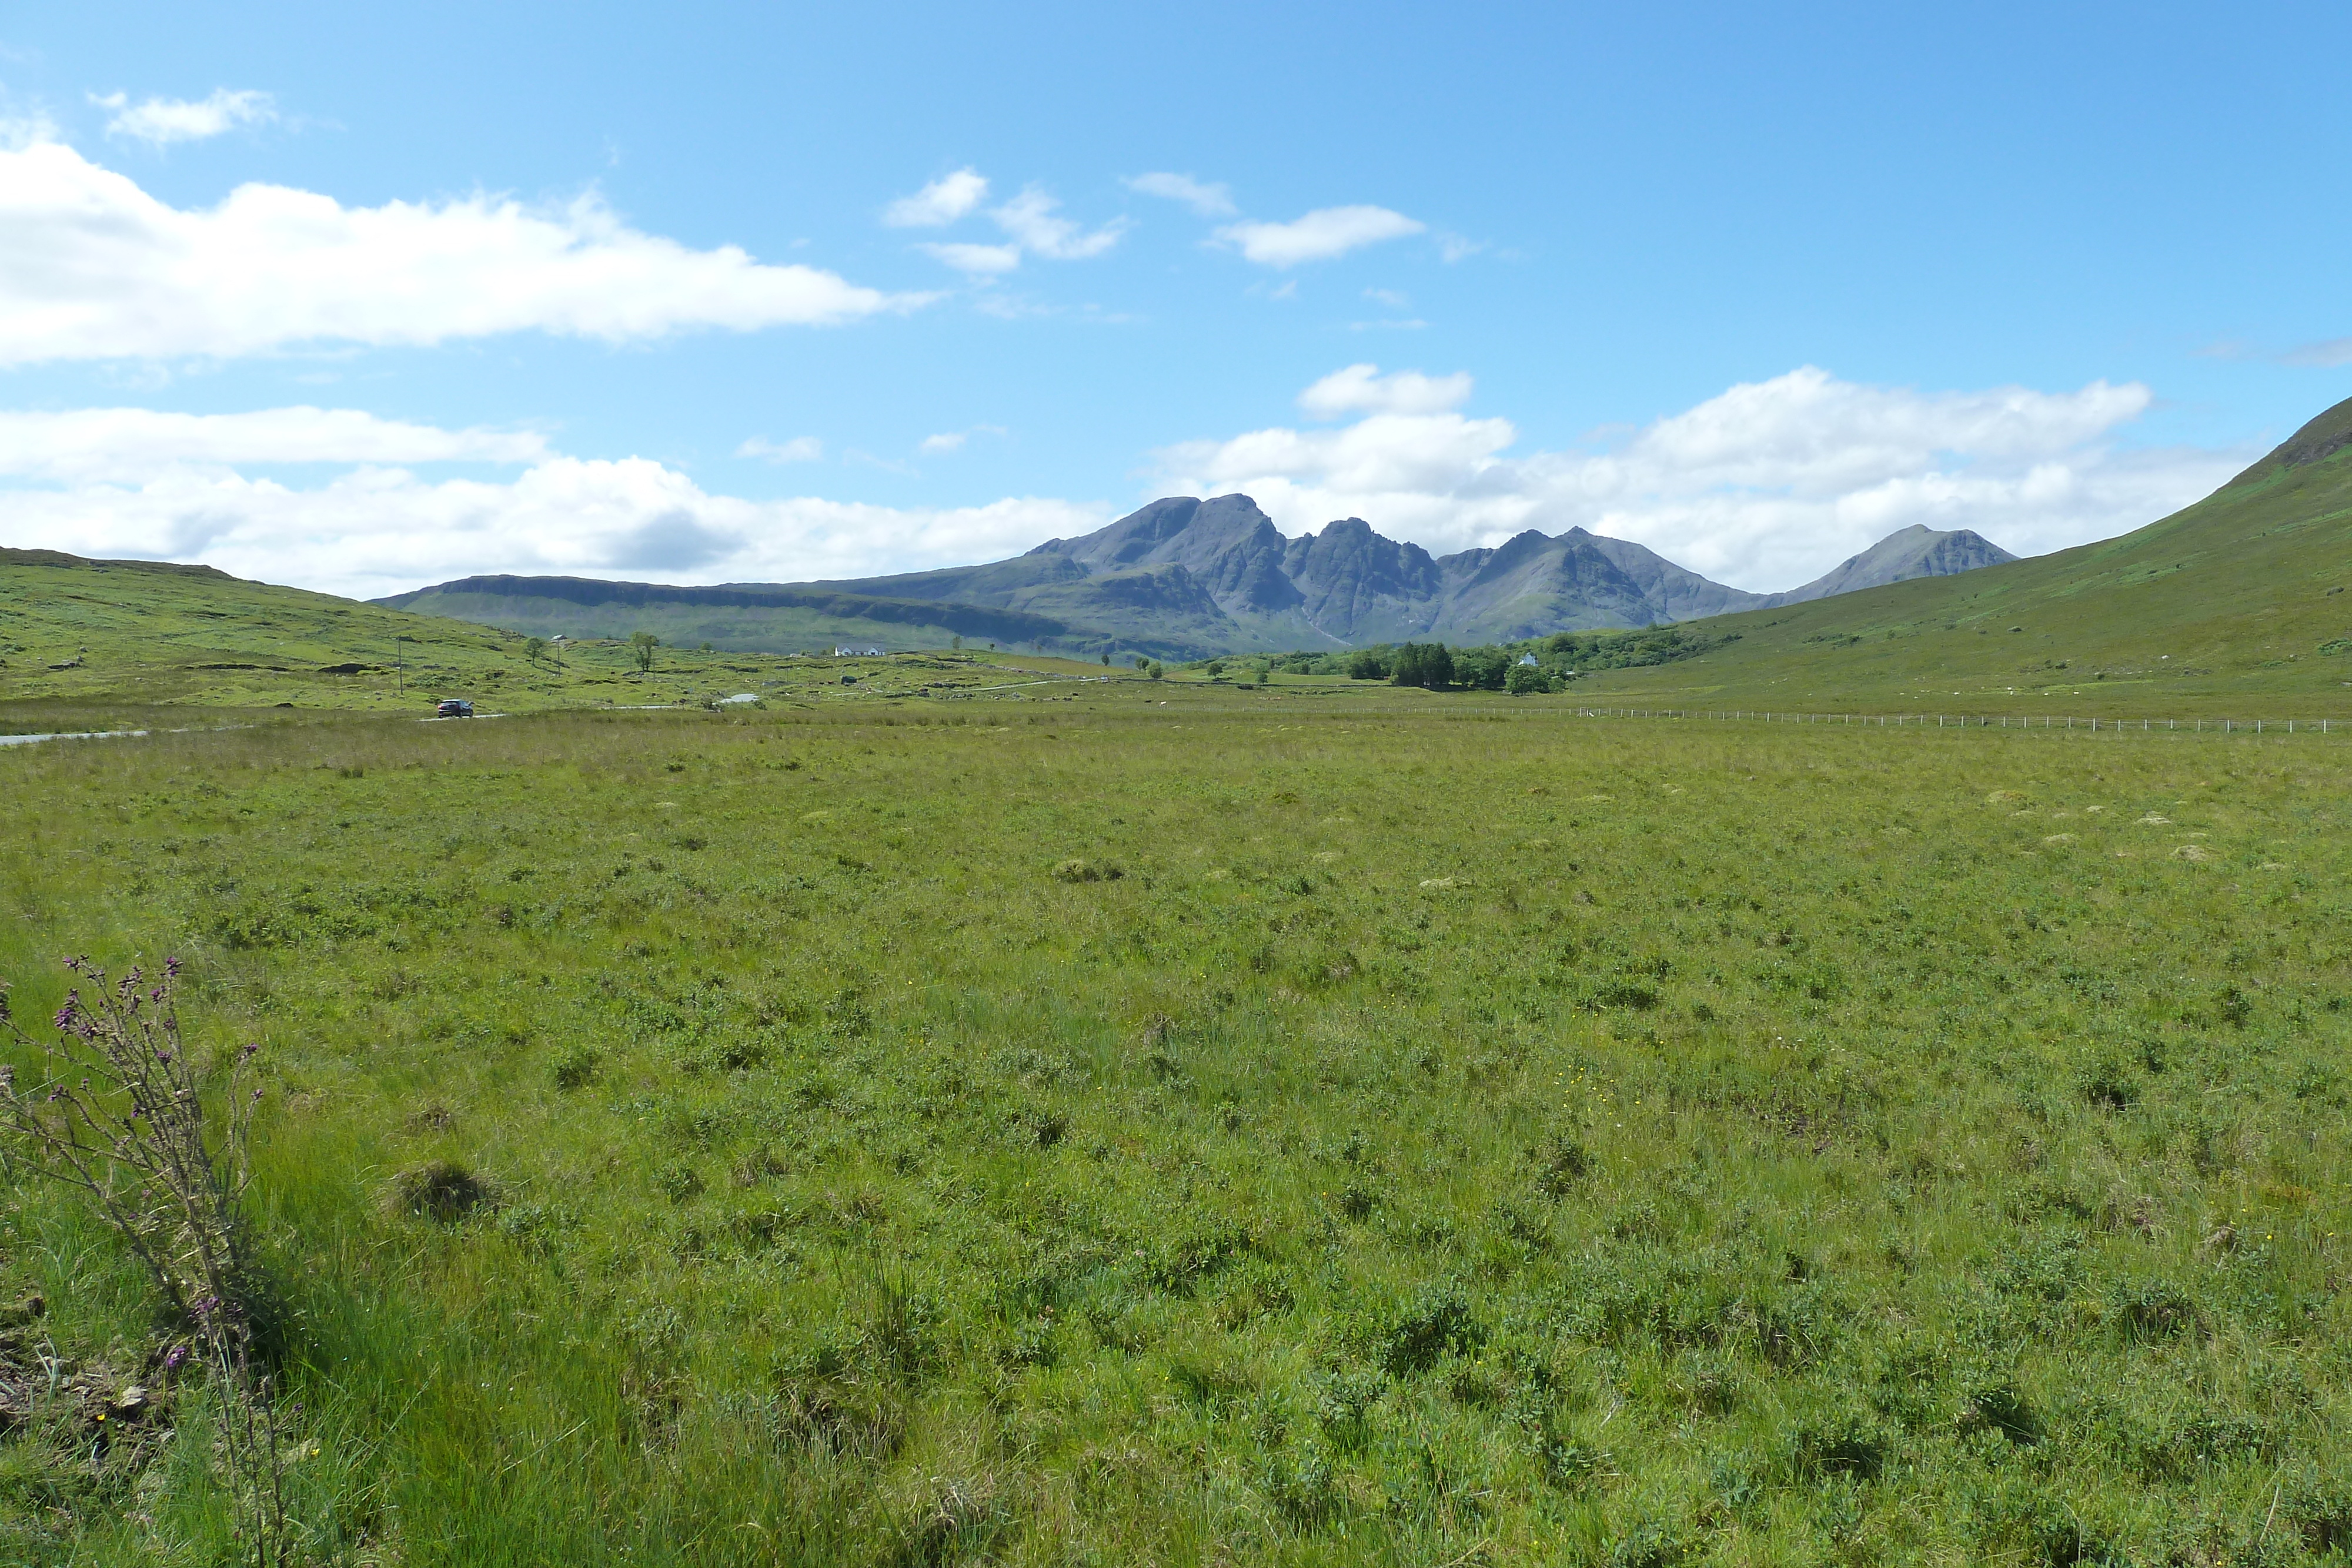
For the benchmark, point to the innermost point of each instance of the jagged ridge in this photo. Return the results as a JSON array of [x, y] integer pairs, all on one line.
[[1184, 576]]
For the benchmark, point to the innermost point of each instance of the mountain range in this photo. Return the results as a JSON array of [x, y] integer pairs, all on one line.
[[1184, 577]]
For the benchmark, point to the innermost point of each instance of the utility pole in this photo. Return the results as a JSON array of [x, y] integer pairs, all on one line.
[[400, 661]]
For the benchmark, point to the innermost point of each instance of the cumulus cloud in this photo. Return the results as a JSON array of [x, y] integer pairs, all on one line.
[[91, 267], [1033, 220], [132, 443], [1208, 201], [1362, 388], [1321, 234], [1764, 486], [799, 449], [160, 121], [377, 530], [939, 203]]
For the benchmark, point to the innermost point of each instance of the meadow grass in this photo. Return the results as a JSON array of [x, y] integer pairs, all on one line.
[[1289, 1128]]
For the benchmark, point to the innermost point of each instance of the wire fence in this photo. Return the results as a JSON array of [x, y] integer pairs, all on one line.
[[1984, 721]]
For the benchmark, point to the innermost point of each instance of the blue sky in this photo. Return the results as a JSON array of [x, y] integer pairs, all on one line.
[[362, 302]]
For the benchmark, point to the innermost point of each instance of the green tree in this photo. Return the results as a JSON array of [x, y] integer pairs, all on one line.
[[956, 641], [1484, 669], [1106, 658], [1404, 665], [641, 648], [1525, 679], [1157, 669], [1366, 665], [533, 648], [1436, 667], [1214, 668]]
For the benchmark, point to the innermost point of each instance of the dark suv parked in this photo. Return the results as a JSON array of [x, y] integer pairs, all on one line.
[[454, 708]]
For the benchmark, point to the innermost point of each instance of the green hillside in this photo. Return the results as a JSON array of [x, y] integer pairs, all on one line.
[[82, 640], [796, 618], [2237, 602]]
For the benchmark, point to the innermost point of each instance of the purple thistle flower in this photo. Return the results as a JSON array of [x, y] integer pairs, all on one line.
[[251, 1047], [165, 1057], [257, 1095], [170, 967], [74, 964], [174, 1357]]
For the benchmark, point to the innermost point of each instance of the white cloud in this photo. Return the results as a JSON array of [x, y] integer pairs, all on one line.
[[1393, 298], [161, 121], [1208, 201], [941, 202], [1319, 236], [132, 443], [1764, 486], [1453, 247], [1362, 388], [799, 449], [1032, 225], [18, 131], [91, 267], [979, 260], [1029, 218], [374, 532]]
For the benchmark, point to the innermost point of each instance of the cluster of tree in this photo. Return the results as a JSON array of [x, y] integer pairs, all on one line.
[[1152, 667], [1584, 652], [1556, 659]]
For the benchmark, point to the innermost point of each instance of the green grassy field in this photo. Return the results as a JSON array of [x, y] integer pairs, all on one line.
[[1268, 1128]]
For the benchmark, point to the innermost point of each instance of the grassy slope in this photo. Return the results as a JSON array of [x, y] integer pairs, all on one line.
[[1447, 1141], [151, 636], [782, 628], [2223, 606]]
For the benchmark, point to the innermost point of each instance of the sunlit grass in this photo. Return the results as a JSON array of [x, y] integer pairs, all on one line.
[[1411, 1138]]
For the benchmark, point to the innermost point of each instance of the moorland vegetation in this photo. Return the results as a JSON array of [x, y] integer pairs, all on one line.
[[1188, 1124]]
